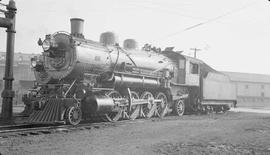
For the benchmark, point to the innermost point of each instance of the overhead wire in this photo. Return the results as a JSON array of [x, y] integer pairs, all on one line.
[[172, 11], [3, 4], [169, 11], [171, 5], [208, 21]]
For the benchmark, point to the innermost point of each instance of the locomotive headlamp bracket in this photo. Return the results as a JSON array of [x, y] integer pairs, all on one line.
[[46, 45]]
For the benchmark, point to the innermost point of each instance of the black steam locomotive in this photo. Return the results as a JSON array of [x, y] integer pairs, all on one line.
[[80, 79]]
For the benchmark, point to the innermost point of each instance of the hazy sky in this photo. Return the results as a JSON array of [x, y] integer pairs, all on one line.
[[234, 35]]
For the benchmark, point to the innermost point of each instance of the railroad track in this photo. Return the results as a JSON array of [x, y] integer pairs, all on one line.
[[24, 129], [38, 129]]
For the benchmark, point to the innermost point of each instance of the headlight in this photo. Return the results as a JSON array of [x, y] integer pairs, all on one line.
[[33, 62], [46, 45]]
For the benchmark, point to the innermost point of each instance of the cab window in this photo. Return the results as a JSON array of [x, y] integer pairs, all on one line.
[[181, 64], [194, 68]]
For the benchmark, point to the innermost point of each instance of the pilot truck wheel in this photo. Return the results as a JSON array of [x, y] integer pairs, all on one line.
[[73, 115]]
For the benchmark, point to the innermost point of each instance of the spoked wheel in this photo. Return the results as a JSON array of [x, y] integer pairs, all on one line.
[[74, 115], [162, 106], [135, 109], [147, 108], [204, 109], [116, 114], [209, 109], [179, 107], [225, 108], [195, 105]]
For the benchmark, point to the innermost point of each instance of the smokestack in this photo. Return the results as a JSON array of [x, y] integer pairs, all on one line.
[[77, 27]]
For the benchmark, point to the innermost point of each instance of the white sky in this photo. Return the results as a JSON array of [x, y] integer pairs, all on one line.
[[234, 37]]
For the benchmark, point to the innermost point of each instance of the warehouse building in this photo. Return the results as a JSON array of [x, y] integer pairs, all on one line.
[[22, 73], [252, 90]]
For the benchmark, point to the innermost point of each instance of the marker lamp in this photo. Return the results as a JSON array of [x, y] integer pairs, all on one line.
[[33, 63], [46, 45]]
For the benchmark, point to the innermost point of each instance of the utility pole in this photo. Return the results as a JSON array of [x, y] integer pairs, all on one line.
[[8, 22], [195, 51]]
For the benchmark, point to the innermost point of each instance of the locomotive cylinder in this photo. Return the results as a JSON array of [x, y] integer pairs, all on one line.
[[98, 104]]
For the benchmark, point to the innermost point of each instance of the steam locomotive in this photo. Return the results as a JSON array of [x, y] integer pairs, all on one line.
[[79, 79]]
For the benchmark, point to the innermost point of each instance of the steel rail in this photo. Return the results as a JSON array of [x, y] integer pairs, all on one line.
[[23, 128]]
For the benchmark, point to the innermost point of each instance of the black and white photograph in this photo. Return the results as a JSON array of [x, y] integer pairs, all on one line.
[[135, 77]]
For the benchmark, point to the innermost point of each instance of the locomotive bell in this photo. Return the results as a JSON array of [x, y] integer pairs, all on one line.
[[130, 44], [77, 27]]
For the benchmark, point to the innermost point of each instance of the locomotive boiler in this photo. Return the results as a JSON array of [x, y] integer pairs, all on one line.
[[80, 79]]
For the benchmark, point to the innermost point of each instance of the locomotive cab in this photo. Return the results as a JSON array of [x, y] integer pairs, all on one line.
[[186, 69]]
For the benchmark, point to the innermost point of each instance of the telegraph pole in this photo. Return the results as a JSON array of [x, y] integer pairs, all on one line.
[[8, 22], [195, 51]]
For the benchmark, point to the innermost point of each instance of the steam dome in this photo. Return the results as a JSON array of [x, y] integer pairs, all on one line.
[[130, 44], [108, 38]]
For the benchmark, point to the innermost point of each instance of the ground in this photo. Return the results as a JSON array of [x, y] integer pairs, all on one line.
[[229, 133]]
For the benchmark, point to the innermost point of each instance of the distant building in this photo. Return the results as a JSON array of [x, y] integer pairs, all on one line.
[[252, 90], [22, 73]]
